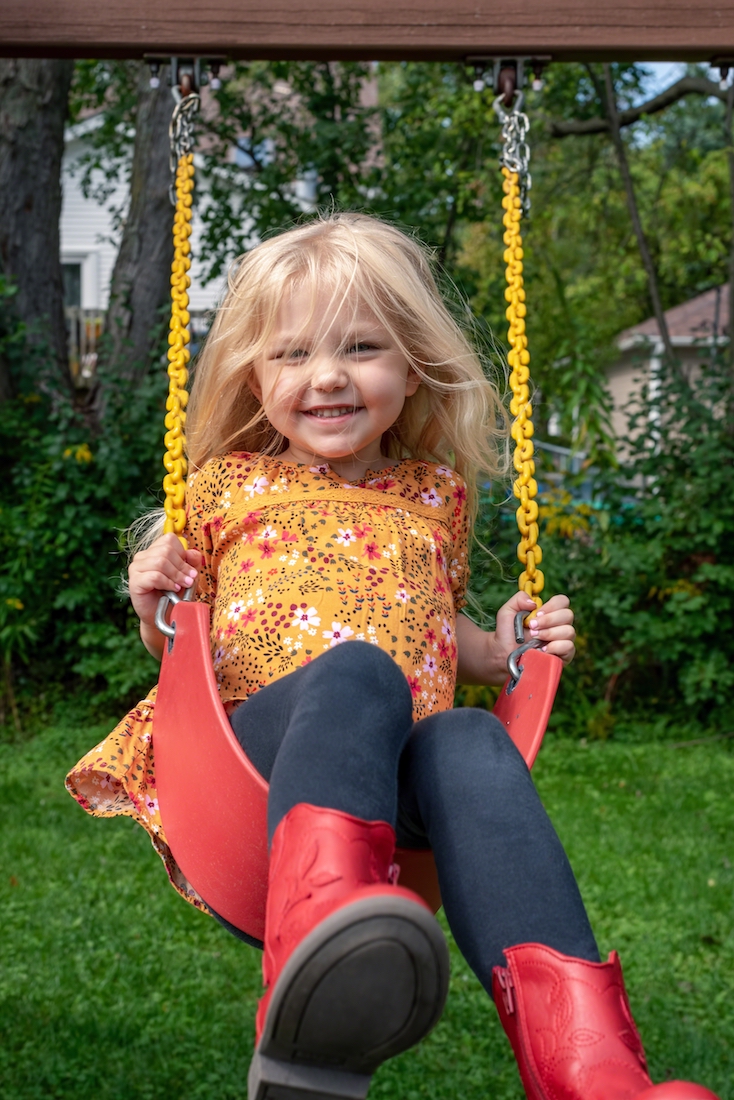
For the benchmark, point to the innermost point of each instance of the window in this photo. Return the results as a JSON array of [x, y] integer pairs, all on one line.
[[72, 274]]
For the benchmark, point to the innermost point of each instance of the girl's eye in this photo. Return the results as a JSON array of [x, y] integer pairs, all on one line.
[[296, 355], [361, 348]]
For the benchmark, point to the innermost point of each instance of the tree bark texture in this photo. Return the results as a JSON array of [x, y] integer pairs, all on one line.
[[647, 260], [140, 285], [33, 108]]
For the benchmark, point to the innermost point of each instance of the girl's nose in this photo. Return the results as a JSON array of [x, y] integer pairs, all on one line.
[[328, 373]]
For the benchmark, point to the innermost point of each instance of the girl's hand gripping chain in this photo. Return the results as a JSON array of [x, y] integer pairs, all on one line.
[[163, 567], [483, 655], [552, 625]]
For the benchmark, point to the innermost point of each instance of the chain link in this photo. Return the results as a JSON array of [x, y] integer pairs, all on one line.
[[515, 155], [525, 488], [174, 460], [181, 135]]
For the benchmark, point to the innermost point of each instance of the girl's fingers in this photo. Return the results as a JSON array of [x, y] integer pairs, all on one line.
[[557, 602], [547, 620], [194, 559], [565, 650], [160, 580], [161, 576], [542, 624], [561, 634], [559, 645]]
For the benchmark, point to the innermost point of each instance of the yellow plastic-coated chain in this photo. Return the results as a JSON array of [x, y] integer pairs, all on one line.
[[531, 579], [174, 483]]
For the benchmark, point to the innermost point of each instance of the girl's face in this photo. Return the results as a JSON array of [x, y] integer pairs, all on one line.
[[332, 381]]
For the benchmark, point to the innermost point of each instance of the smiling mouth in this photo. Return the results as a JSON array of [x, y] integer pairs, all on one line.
[[332, 413]]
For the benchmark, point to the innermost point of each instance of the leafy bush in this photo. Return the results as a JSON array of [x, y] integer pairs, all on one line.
[[71, 485], [648, 567]]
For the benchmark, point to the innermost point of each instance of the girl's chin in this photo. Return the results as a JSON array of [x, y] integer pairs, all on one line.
[[335, 455]]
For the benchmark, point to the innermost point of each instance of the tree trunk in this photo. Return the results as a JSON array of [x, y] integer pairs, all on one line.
[[729, 137], [140, 283], [624, 168], [33, 108]]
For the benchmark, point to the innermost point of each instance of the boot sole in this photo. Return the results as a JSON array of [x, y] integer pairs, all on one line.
[[367, 983]]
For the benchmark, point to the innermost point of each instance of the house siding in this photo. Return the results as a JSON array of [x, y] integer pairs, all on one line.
[[89, 238]]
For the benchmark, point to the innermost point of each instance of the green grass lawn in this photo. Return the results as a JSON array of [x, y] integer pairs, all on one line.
[[112, 987]]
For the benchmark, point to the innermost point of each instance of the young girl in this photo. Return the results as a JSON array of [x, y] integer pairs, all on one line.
[[338, 425]]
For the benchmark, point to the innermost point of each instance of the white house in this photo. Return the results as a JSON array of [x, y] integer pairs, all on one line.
[[699, 324], [89, 240]]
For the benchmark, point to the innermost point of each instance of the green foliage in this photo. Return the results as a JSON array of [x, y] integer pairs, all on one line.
[[285, 138], [66, 494], [440, 144], [648, 567]]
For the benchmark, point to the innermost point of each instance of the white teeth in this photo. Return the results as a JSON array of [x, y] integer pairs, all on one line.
[[331, 412]]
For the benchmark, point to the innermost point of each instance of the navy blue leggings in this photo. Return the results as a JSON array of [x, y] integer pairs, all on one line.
[[339, 732]]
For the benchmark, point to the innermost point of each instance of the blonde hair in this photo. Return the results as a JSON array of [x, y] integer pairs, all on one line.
[[455, 417]]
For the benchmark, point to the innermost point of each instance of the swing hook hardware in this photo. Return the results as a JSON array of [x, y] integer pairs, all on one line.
[[513, 661], [724, 65], [170, 599], [507, 75], [515, 155], [181, 135], [186, 75]]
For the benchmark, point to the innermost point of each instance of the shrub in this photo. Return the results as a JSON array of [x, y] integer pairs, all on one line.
[[648, 567], [71, 485]]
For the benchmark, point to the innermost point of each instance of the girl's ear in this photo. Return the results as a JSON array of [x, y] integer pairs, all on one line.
[[412, 382]]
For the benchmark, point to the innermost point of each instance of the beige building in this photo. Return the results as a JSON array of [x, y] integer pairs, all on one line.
[[696, 325]]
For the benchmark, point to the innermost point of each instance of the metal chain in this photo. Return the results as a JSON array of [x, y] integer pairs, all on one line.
[[181, 134], [515, 155], [174, 460], [515, 158]]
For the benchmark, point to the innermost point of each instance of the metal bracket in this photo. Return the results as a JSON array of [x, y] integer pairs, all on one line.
[[187, 75], [506, 74]]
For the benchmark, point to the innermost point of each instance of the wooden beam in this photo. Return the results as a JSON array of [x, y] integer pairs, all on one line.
[[685, 30]]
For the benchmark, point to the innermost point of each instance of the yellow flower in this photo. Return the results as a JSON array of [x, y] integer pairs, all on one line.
[[81, 453], [13, 601], [565, 516]]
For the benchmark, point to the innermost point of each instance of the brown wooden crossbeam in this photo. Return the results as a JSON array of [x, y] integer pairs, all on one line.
[[567, 30]]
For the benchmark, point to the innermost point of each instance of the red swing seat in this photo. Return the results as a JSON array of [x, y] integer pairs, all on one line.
[[213, 803]]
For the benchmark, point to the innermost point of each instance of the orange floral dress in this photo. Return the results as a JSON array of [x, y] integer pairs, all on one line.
[[297, 560]]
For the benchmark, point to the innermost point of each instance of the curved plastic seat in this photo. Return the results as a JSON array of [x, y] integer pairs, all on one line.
[[213, 803]]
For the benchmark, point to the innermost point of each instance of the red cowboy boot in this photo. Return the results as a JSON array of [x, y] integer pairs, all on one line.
[[571, 1028], [356, 967]]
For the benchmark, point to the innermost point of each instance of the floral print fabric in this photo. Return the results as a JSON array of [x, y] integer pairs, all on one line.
[[296, 561]]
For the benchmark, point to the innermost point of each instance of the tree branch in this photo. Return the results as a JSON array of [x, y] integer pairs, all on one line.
[[624, 168], [687, 85]]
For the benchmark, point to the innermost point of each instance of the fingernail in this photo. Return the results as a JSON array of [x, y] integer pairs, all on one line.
[[533, 623], [188, 581], [545, 649], [534, 633], [177, 588]]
